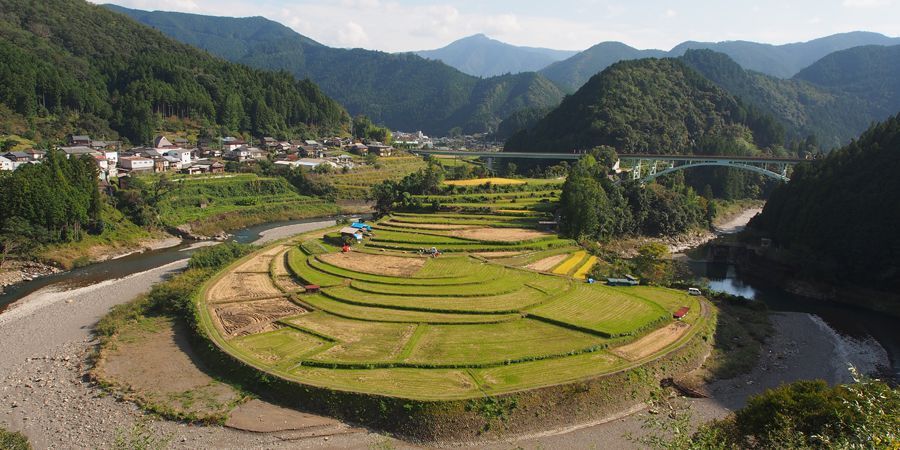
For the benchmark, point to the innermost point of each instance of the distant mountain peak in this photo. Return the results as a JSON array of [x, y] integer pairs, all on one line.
[[483, 56]]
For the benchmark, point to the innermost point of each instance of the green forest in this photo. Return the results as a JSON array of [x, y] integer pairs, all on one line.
[[804, 109], [593, 207], [55, 201], [400, 90], [840, 215], [645, 106], [71, 66]]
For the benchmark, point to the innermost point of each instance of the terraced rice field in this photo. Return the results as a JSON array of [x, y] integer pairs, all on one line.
[[398, 323]]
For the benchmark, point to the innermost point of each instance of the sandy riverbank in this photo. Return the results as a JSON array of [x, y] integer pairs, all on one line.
[[15, 271]]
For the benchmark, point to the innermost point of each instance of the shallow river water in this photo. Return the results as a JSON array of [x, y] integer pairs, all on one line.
[[139, 262], [857, 323]]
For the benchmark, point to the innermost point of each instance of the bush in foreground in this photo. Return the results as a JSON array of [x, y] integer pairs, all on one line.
[[13, 441], [811, 414]]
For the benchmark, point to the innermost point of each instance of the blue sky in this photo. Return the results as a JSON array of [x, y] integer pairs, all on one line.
[[399, 25]]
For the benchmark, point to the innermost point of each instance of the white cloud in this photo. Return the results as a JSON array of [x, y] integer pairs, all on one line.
[[353, 34], [867, 3], [671, 13]]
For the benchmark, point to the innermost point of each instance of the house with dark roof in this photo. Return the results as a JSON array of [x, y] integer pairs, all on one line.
[[80, 140]]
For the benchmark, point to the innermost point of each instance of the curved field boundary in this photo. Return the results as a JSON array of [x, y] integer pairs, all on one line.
[[331, 269], [472, 248], [337, 296], [368, 313], [492, 288], [205, 322]]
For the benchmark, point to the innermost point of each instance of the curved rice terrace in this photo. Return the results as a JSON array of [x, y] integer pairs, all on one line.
[[501, 310]]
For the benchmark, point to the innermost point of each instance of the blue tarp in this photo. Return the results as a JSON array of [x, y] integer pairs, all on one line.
[[361, 225]]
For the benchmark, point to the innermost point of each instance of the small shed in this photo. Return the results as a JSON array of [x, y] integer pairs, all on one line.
[[681, 313], [351, 232], [312, 288]]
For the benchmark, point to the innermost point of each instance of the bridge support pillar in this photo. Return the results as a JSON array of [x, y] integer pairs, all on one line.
[[636, 171]]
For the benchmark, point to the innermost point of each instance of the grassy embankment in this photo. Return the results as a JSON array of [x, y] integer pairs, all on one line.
[[212, 204], [119, 236], [356, 183]]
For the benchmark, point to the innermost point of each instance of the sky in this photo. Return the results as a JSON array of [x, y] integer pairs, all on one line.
[[404, 25]]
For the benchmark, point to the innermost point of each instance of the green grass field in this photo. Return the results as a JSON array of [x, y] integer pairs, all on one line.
[[451, 327], [215, 203]]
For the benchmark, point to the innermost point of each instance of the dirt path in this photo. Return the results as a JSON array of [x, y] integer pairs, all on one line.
[[738, 222]]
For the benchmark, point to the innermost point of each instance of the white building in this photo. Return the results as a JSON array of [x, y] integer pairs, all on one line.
[[183, 155], [136, 163], [5, 164]]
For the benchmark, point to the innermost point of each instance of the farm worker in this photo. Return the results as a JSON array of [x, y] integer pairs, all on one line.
[[345, 248]]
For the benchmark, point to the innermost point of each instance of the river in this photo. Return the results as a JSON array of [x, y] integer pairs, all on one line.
[[857, 323], [140, 262]]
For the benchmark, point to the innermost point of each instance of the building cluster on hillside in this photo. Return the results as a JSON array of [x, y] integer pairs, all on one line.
[[473, 142], [206, 156], [416, 140]]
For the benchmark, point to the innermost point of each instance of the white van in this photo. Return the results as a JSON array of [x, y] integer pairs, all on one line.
[[694, 291]]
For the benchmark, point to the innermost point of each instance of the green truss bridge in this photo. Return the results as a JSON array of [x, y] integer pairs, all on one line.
[[645, 167]]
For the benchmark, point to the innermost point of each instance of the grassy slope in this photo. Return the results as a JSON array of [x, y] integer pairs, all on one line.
[[211, 205], [119, 236]]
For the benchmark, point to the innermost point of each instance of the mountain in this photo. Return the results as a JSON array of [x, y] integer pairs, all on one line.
[[573, 72], [402, 91], [482, 56], [646, 106], [869, 73], [782, 61], [838, 217], [803, 108], [70, 66]]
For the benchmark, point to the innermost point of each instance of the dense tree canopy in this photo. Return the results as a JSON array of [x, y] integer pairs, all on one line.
[[593, 207], [400, 90], [54, 201], [70, 58], [801, 107], [657, 106], [841, 212]]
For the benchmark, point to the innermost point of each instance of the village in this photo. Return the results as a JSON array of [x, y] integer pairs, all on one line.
[[214, 156]]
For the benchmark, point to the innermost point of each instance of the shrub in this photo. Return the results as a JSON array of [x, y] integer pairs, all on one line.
[[218, 256], [811, 414], [13, 441]]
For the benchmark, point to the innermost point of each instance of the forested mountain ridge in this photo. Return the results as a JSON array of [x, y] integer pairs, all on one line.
[[647, 106], [573, 72], [831, 115], [482, 56], [79, 67], [402, 91], [782, 61], [841, 213], [869, 73]]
